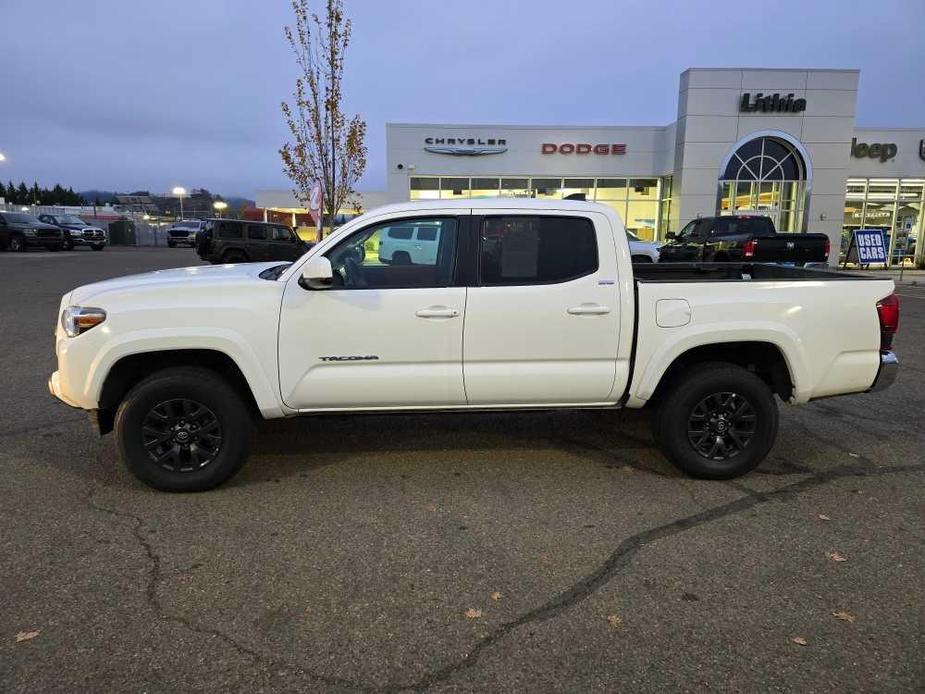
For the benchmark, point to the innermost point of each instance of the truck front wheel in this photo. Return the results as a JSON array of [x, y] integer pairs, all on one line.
[[717, 421], [183, 429]]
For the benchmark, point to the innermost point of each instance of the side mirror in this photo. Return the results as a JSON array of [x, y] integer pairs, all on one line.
[[670, 236], [317, 273]]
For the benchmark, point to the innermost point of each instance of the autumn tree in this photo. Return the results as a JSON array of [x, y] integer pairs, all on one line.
[[325, 144]]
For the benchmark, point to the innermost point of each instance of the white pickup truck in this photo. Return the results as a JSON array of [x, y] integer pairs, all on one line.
[[524, 305]]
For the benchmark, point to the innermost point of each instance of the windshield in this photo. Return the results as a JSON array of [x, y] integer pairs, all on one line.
[[273, 273], [69, 219], [186, 225], [632, 236], [17, 218]]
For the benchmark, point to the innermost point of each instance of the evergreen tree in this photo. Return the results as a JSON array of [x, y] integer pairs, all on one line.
[[22, 194], [3, 191]]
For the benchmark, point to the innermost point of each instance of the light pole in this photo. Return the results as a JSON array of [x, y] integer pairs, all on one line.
[[220, 206], [180, 191]]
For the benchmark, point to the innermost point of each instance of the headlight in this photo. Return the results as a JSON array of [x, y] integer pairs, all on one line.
[[76, 232], [29, 232], [79, 319]]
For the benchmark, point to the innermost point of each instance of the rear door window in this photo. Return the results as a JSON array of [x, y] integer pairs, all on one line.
[[230, 230], [256, 232], [730, 226], [536, 249]]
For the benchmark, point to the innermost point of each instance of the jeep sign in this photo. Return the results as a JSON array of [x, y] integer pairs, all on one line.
[[877, 150]]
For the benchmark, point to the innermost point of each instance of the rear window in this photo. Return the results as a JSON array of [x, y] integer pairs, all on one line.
[[536, 250], [427, 233], [230, 230], [729, 226]]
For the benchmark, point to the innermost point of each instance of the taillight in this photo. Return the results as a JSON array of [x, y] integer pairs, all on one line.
[[828, 247], [748, 249], [888, 313]]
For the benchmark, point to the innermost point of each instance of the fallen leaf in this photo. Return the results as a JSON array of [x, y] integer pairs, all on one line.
[[800, 641], [26, 635], [854, 455], [844, 616], [822, 516], [496, 596], [473, 613], [615, 621], [836, 556]]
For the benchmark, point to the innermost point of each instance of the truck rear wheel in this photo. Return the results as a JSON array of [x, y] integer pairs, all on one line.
[[717, 421], [183, 430]]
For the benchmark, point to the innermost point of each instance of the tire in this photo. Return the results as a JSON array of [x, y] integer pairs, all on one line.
[[97, 248], [736, 433], [16, 244], [53, 249], [171, 244], [67, 245], [155, 405], [400, 258]]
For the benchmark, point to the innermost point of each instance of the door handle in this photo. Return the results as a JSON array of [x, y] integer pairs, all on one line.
[[589, 310], [437, 312]]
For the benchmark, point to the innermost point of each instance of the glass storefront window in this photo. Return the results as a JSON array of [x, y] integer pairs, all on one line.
[[644, 204], [643, 189], [610, 189], [570, 186], [546, 188], [485, 188], [454, 188], [642, 218], [425, 188], [515, 187], [893, 205]]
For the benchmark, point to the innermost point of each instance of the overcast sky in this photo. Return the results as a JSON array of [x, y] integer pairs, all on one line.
[[128, 95]]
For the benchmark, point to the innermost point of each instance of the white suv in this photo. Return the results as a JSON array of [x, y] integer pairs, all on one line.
[[410, 244]]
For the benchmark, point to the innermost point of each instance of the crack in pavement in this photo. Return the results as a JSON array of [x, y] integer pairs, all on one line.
[[564, 601], [627, 549], [155, 576]]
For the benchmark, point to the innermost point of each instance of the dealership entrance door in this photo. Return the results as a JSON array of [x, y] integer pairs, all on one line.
[[766, 174]]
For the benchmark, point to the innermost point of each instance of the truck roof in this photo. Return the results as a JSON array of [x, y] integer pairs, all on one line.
[[493, 203]]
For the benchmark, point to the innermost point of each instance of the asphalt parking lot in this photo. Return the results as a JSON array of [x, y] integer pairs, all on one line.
[[532, 552]]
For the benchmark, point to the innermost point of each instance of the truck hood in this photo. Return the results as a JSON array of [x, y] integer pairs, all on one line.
[[197, 276]]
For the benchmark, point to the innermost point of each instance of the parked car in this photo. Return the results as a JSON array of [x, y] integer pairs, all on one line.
[[241, 241], [183, 233], [77, 232], [738, 238], [19, 231], [409, 244], [527, 304], [643, 251]]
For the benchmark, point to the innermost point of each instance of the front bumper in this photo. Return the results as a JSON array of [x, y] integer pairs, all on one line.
[[54, 387], [42, 242], [886, 374]]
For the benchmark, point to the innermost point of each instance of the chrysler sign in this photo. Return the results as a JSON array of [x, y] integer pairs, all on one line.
[[465, 146]]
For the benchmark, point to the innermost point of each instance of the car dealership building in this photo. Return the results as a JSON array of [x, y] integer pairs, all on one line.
[[783, 142]]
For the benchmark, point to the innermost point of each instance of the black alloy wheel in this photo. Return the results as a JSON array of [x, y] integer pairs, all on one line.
[[721, 426], [183, 429], [16, 244], [181, 435], [715, 420]]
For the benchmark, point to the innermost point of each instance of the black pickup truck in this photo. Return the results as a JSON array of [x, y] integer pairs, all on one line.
[[742, 238]]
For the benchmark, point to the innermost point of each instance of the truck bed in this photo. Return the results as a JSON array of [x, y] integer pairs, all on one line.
[[737, 272]]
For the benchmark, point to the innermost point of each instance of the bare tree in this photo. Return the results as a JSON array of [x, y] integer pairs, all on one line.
[[325, 144]]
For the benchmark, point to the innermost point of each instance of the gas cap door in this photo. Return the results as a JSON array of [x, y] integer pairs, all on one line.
[[672, 313]]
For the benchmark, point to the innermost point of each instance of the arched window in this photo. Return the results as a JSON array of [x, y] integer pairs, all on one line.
[[766, 174]]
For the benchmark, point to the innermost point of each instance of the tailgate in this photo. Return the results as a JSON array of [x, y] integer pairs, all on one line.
[[791, 248]]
